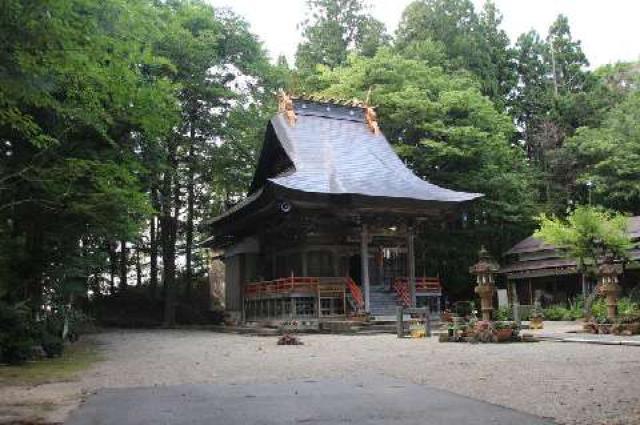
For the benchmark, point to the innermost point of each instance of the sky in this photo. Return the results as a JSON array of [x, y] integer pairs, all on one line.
[[608, 29]]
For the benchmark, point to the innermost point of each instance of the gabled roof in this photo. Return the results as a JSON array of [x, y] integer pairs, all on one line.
[[330, 149]]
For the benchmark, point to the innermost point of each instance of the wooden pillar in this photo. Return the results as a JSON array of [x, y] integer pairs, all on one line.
[[411, 265], [274, 266], [364, 261], [515, 303], [380, 259], [305, 268]]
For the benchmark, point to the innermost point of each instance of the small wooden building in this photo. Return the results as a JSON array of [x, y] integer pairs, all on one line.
[[330, 217], [536, 269]]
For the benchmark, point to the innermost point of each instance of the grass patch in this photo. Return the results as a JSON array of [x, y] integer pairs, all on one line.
[[76, 358]]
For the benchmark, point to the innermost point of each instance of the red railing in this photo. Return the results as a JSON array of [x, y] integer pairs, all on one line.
[[295, 284], [282, 286], [356, 293], [424, 285]]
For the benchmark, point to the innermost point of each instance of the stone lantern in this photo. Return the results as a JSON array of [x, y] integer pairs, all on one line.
[[608, 285], [485, 270]]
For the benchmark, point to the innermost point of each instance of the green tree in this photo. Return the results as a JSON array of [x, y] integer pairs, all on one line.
[[450, 134], [470, 41], [566, 58], [79, 95], [335, 29], [220, 69], [608, 156], [588, 235]]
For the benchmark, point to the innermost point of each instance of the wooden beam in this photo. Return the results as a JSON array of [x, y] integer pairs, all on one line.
[[364, 261], [411, 266]]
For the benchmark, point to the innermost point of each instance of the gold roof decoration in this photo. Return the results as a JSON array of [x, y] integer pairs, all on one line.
[[285, 105], [370, 115], [372, 120]]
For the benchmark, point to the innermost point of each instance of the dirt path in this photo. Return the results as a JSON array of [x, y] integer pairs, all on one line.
[[573, 383]]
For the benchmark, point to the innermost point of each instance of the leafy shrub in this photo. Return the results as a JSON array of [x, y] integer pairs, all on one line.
[[134, 307], [503, 314], [576, 308], [629, 318], [627, 307], [52, 344], [556, 312], [16, 333], [599, 309]]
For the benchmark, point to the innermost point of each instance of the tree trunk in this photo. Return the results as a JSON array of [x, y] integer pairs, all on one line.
[[153, 242], [123, 265], [168, 222], [189, 224], [138, 266], [113, 265]]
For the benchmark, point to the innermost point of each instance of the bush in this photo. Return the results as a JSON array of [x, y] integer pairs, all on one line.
[[503, 314], [556, 312], [16, 333], [560, 312], [599, 309], [626, 307], [52, 345], [132, 308]]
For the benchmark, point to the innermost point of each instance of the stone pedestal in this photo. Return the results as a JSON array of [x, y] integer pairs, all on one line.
[[484, 271], [608, 276], [611, 291], [485, 292]]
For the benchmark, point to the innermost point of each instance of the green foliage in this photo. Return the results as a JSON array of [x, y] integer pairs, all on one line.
[[16, 334], [101, 104], [76, 357], [587, 234], [451, 135], [81, 92], [608, 156], [335, 29], [561, 312], [470, 40], [52, 345], [626, 308], [599, 309], [503, 314]]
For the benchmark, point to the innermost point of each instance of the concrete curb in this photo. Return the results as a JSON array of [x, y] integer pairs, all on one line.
[[590, 341]]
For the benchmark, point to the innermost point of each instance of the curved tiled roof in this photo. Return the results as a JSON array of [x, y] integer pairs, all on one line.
[[332, 151]]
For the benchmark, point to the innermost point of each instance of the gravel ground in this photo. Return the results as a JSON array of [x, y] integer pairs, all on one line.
[[572, 383]]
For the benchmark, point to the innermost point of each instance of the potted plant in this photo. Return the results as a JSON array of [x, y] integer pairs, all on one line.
[[505, 331]]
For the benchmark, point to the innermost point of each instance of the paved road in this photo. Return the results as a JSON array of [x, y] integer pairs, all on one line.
[[377, 401]]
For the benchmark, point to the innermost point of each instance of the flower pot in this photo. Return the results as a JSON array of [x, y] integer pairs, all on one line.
[[604, 328], [634, 328], [503, 335]]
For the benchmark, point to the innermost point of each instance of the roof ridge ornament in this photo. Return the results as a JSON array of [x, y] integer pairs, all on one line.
[[370, 115], [285, 105]]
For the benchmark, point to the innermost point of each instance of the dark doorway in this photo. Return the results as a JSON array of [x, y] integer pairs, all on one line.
[[355, 269]]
